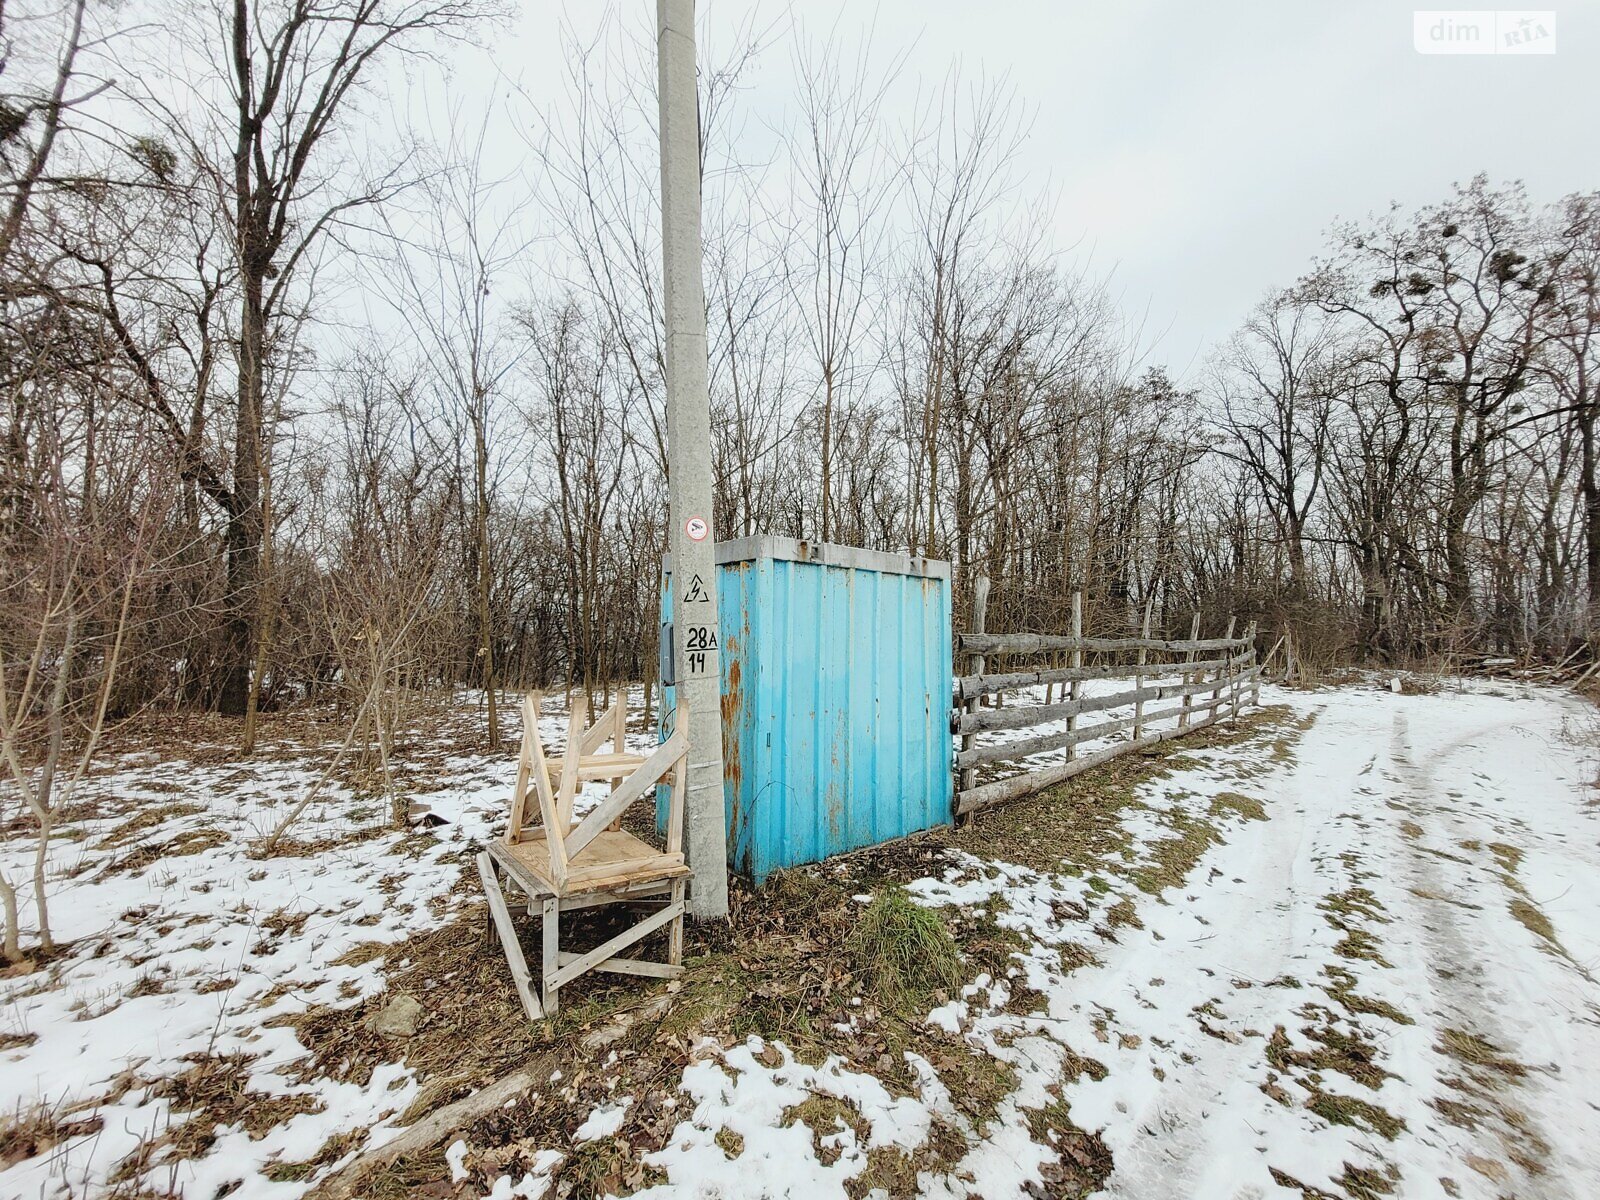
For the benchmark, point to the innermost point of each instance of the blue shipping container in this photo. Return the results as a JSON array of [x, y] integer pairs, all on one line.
[[836, 683]]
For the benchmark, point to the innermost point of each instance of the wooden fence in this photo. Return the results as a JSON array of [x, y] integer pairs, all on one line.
[[1209, 678]]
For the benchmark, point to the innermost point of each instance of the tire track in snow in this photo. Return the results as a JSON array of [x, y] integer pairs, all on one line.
[[1471, 995], [1183, 1110]]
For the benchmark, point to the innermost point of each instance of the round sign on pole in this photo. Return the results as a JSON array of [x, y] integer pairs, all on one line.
[[696, 528]]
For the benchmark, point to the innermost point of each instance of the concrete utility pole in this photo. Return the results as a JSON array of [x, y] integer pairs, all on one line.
[[694, 580]]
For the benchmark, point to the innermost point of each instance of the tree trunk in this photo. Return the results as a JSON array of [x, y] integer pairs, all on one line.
[[1589, 486], [480, 523], [244, 530]]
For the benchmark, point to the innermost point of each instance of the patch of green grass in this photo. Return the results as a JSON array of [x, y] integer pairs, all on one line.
[[1363, 1183], [1354, 902], [977, 1085], [1123, 912], [1350, 1054], [889, 1172], [904, 953], [1085, 1160], [1527, 913], [824, 1115], [1078, 827], [1487, 1060], [1348, 1110], [1508, 856], [1245, 807], [1342, 987], [1358, 943], [596, 1168], [1169, 860]]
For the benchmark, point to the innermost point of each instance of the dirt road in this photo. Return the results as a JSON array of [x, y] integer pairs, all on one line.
[[1385, 987]]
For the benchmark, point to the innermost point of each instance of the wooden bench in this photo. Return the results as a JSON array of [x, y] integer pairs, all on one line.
[[565, 863]]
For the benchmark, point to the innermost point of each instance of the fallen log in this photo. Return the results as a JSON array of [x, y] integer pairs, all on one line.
[[432, 1129]]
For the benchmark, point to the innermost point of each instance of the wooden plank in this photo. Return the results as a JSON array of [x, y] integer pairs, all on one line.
[[616, 861], [550, 935], [1022, 748], [537, 886], [550, 813], [610, 878], [567, 794], [519, 798], [675, 933], [627, 966], [1075, 692], [989, 794], [633, 787], [1249, 637], [1028, 747], [675, 807], [1144, 635], [507, 932], [599, 954], [1040, 714], [598, 766], [980, 610], [1034, 643], [1224, 671], [619, 736], [1189, 666], [595, 735], [969, 686]]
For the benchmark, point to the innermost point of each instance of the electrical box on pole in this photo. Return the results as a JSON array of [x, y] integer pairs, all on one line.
[[696, 649]]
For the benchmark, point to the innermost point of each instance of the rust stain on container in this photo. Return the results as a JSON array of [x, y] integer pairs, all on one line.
[[732, 703]]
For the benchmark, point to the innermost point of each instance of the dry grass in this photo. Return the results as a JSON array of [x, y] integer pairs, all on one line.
[[796, 961], [213, 1092], [1482, 1057], [27, 1132]]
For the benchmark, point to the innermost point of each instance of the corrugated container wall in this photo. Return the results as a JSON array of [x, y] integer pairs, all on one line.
[[836, 683]]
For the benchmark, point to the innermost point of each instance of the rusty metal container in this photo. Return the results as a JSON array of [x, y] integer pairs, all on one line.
[[836, 683]]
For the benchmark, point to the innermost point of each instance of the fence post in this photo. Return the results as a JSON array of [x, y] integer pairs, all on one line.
[[1076, 687], [1255, 689], [1225, 670], [1188, 676], [1239, 684], [980, 611], [1138, 676]]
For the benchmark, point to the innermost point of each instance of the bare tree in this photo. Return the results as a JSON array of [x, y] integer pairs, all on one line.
[[453, 262], [1274, 389], [845, 182]]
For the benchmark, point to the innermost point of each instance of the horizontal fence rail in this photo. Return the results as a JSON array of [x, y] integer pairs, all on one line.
[[1035, 643], [970, 686], [1042, 714], [1208, 689]]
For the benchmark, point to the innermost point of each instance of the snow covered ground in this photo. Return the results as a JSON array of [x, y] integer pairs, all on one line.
[[1357, 993], [185, 947], [1378, 976]]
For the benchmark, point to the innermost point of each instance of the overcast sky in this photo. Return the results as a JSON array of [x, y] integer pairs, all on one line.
[[1198, 151]]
